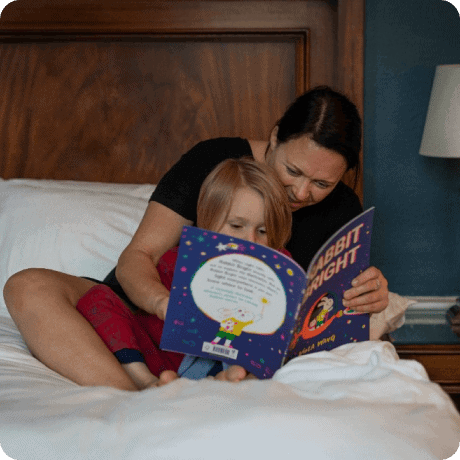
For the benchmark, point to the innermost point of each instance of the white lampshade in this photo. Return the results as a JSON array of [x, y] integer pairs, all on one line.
[[441, 136]]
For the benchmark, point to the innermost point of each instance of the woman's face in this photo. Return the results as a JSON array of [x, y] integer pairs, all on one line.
[[308, 171]]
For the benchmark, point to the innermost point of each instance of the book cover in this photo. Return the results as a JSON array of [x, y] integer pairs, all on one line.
[[323, 322], [247, 304]]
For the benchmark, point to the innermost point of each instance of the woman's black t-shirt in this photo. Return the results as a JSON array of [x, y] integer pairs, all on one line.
[[311, 226]]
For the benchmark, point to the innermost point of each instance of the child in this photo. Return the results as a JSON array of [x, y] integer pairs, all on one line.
[[240, 198]]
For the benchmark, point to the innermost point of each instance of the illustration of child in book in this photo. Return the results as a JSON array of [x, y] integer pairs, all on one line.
[[232, 326]]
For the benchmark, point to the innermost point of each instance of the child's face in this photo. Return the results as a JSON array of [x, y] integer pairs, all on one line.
[[246, 218]]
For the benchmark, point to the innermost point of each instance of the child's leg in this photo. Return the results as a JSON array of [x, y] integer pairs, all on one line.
[[156, 359], [113, 321], [110, 317], [127, 335]]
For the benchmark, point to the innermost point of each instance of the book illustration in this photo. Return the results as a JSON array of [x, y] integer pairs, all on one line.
[[243, 285], [247, 304], [323, 322], [231, 296], [233, 324], [320, 311], [324, 311]]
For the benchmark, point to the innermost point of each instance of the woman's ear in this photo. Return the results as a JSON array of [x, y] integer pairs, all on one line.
[[274, 138]]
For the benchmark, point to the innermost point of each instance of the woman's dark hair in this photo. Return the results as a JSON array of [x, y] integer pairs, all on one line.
[[329, 118]]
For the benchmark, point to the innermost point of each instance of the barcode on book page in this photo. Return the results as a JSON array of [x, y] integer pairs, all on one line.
[[219, 350]]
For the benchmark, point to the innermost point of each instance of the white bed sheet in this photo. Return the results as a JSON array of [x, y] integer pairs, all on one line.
[[357, 402]]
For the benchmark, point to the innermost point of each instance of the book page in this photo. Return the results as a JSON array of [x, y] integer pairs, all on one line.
[[232, 300], [233, 284]]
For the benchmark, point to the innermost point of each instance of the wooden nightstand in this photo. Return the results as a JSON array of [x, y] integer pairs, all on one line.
[[441, 361], [428, 338]]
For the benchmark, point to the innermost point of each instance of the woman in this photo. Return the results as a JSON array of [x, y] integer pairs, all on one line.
[[311, 147]]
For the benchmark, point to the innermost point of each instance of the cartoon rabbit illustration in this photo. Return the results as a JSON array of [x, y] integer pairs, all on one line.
[[325, 305], [233, 324]]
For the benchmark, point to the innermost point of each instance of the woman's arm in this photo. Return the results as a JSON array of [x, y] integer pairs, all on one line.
[[158, 232]]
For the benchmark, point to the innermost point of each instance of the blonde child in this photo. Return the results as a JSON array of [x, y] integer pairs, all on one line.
[[241, 198]]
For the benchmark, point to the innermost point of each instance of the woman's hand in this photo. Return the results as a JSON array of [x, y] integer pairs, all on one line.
[[369, 293]]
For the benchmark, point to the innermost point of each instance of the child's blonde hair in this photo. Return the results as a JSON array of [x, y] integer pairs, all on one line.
[[218, 189]]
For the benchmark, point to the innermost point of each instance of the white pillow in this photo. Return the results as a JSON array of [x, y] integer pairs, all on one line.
[[78, 228]]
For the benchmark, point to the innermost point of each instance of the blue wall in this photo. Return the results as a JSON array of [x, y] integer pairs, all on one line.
[[416, 242]]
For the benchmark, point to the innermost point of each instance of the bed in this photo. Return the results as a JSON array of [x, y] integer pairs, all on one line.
[[98, 102], [359, 401]]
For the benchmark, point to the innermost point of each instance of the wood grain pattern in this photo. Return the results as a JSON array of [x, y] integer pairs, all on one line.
[[106, 126], [125, 112], [442, 362], [351, 62], [153, 16]]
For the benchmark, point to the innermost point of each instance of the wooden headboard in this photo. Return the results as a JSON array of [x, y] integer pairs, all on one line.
[[117, 91]]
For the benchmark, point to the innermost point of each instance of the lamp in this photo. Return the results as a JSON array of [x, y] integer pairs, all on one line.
[[441, 136]]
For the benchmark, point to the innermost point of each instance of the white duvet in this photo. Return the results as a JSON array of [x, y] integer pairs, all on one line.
[[357, 402]]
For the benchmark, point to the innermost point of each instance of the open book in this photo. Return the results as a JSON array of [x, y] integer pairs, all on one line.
[[247, 304]]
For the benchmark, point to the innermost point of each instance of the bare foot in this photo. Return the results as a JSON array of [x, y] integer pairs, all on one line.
[[140, 374], [234, 374], [165, 378]]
